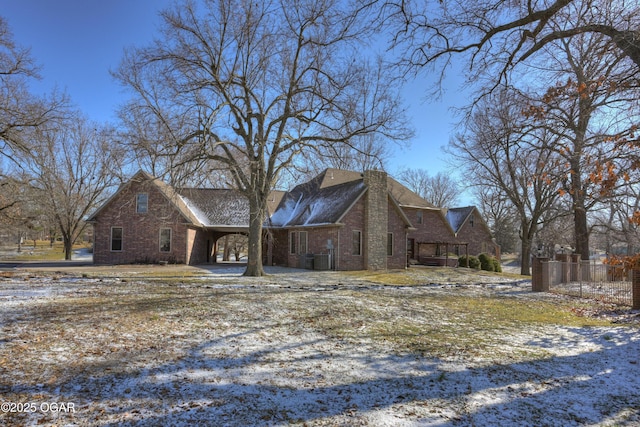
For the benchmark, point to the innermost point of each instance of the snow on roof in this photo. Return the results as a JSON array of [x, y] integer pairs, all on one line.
[[457, 216], [216, 207], [403, 195], [310, 204]]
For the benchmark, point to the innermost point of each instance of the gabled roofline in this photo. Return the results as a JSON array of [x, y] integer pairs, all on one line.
[[166, 190], [474, 209], [352, 204], [399, 209]]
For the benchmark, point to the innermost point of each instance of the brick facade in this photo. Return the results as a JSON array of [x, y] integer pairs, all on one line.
[[140, 230], [376, 220], [433, 227], [341, 236], [369, 229]]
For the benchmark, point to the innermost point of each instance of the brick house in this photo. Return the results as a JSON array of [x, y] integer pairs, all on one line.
[[347, 220], [149, 221], [339, 220]]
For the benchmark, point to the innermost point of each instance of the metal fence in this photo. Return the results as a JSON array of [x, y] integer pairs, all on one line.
[[585, 279]]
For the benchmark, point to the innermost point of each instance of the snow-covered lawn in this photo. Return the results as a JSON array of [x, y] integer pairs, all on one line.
[[309, 348]]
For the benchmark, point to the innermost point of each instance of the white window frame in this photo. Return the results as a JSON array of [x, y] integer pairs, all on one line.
[[139, 205], [303, 248]]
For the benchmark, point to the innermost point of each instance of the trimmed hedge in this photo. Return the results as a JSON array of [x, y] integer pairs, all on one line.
[[486, 263], [473, 262], [483, 261]]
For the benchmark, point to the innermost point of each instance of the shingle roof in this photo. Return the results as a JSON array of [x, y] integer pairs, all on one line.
[[311, 204], [217, 207], [457, 216], [403, 195]]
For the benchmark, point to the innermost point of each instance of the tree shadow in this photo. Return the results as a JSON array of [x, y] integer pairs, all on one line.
[[247, 378]]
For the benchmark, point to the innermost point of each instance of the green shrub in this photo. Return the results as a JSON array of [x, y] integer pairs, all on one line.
[[486, 262], [496, 265], [473, 262]]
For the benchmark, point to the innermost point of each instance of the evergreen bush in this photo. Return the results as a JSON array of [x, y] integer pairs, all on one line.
[[486, 262], [496, 265], [473, 262]]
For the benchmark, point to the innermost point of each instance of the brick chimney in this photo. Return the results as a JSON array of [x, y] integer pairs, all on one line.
[[376, 220]]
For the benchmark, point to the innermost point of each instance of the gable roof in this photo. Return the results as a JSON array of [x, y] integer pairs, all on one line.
[[216, 207], [403, 195], [326, 198], [202, 207], [311, 204], [458, 216], [167, 191]]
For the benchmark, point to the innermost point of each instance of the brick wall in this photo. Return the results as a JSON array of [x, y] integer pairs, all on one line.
[[478, 237], [141, 231], [434, 228], [376, 220], [353, 220], [397, 227]]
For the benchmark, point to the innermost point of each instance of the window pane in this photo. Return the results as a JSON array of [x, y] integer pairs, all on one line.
[[142, 203], [116, 239], [303, 242], [165, 240], [389, 244], [292, 243], [357, 243]]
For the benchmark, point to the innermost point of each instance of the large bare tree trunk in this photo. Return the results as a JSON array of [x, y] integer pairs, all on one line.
[[528, 230], [254, 255]]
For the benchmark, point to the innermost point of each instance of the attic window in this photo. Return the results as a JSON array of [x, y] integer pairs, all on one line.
[[471, 219], [142, 203], [419, 217]]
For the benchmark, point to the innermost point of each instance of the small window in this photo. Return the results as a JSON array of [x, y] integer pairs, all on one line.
[[389, 244], [165, 240], [419, 217], [142, 203], [303, 242], [116, 239], [472, 219], [356, 248], [293, 247]]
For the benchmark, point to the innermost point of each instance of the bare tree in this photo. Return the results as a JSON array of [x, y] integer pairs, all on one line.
[[439, 189], [71, 164], [497, 35], [501, 216], [501, 151], [251, 85], [593, 102], [20, 111]]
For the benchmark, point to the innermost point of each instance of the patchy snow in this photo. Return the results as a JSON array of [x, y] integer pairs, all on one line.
[[243, 351], [197, 212]]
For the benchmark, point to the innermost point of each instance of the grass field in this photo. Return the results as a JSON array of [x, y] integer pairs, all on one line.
[[42, 251], [439, 347]]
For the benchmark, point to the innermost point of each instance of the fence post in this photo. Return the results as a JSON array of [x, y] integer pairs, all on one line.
[[538, 279], [635, 289]]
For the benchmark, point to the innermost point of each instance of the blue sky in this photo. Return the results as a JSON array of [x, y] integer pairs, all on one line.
[[77, 42]]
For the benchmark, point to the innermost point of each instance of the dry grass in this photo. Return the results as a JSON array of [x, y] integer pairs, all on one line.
[[96, 334]]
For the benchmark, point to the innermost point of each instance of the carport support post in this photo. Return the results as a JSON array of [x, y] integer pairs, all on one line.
[[635, 288]]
